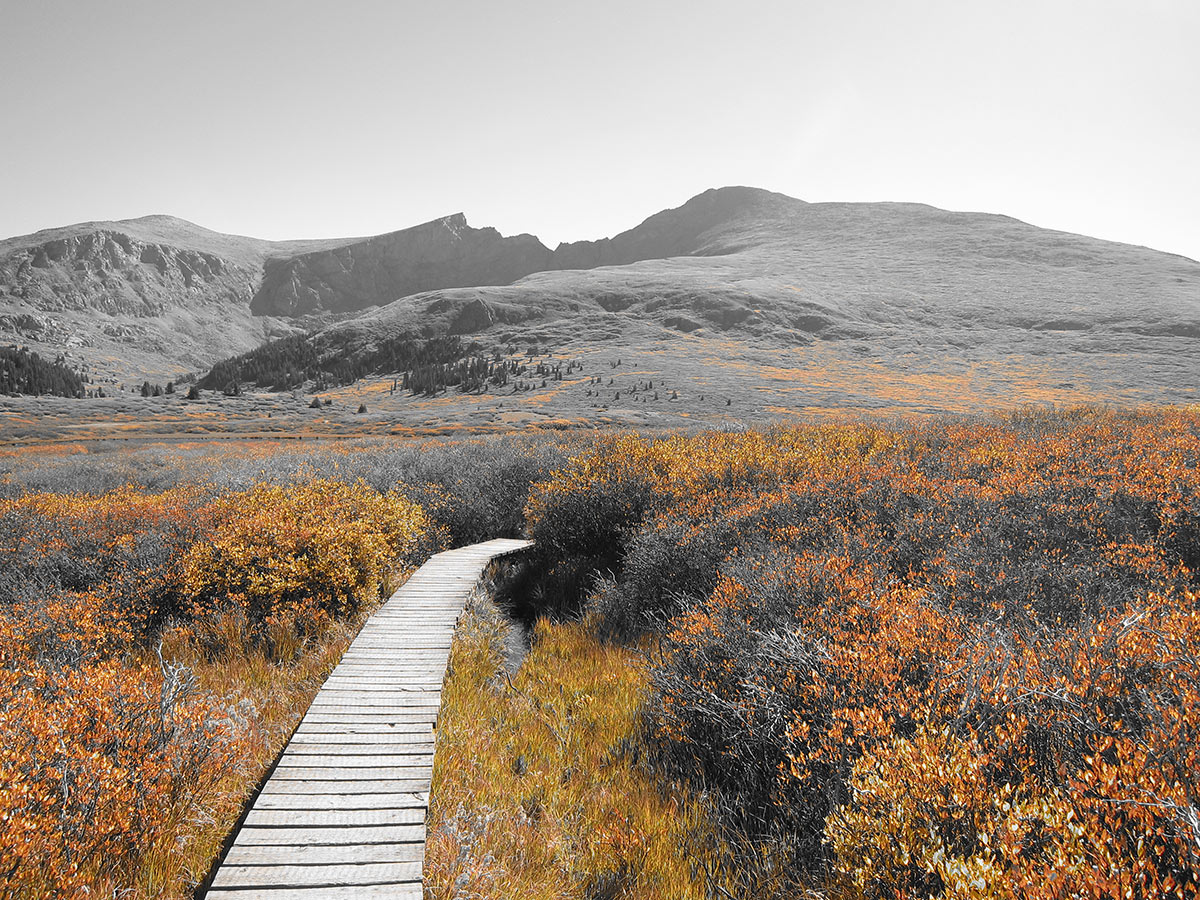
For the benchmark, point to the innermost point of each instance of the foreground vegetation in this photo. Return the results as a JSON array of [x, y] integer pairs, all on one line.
[[861, 660], [160, 639], [156, 648], [937, 660], [537, 791]]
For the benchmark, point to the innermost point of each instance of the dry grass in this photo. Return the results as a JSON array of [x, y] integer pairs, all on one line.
[[275, 695], [704, 378], [537, 792]]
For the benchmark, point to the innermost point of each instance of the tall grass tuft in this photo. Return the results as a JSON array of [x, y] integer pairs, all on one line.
[[538, 791]]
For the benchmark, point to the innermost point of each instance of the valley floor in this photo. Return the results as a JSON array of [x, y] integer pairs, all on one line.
[[687, 381]]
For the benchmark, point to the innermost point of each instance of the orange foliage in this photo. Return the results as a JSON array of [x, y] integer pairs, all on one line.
[[939, 659], [120, 765], [300, 555]]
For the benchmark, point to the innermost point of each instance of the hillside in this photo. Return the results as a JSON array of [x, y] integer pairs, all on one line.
[[790, 305], [783, 305], [158, 296], [444, 253], [773, 267], [148, 297]]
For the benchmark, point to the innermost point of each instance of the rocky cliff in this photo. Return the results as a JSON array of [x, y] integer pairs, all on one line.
[[444, 253], [112, 272]]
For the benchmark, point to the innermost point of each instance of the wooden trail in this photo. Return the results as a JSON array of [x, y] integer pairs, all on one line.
[[343, 814]]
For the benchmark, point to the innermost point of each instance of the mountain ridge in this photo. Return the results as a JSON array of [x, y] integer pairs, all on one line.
[[158, 294], [444, 252]]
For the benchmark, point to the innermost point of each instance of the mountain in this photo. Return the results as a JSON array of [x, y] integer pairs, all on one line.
[[136, 266], [888, 301], [444, 253], [763, 265], [710, 224], [146, 297], [157, 296], [798, 306]]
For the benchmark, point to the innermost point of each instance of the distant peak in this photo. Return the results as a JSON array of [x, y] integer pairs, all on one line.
[[456, 224], [157, 219], [739, 195]]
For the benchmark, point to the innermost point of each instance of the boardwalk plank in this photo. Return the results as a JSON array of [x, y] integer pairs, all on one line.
[[411, 700], [369, 740], [348, 786], [241, 854], [406, 891], [324, 717], [351, 773], [342, 801], [354, 761], [329, 835], [317, 876], [416, 729], [326, 818]]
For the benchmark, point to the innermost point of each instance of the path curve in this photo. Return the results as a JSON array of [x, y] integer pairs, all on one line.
[[343, 814]]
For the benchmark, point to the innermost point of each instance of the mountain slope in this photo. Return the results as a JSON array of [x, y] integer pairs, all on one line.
[[792, 306], [708, 224], [158, 296], [868, 290], [771, 267], [444, 253], [137, 298], [136, 265]]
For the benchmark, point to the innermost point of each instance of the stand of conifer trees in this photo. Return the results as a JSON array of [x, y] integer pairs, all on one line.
[[24, 372]]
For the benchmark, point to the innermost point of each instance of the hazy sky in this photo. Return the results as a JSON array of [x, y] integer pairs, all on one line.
[[291, 118]]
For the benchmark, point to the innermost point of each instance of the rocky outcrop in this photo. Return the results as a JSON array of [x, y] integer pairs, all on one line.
[[444, 253], [112, 272], [448, 253]]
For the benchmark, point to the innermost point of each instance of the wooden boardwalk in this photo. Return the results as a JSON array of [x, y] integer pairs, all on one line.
[[343, 814]]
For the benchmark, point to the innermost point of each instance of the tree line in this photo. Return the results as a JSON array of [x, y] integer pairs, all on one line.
[[290, 362], [23, 371], [425, 365]]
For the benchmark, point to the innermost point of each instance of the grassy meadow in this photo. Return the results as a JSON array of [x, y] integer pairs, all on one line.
[[951, 657]]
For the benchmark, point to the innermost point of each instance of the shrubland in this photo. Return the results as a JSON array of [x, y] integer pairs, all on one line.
[[863, 659], [165, 621], [914, 660]]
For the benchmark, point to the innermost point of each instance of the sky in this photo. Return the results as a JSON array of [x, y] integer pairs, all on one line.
[[568, 120]]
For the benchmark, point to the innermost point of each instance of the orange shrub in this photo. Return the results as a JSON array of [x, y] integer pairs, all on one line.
[[122, 547], [918, 660], [101, 767], [119, 769], [301, 554]]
